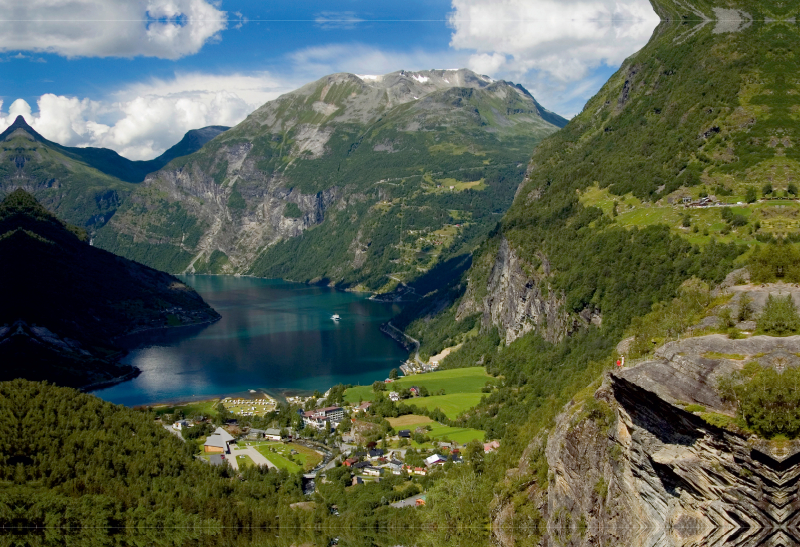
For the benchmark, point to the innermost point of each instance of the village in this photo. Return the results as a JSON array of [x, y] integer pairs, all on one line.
[[346, 436], [366, 461]]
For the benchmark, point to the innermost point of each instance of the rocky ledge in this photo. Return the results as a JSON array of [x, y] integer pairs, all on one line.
[[640, 468]]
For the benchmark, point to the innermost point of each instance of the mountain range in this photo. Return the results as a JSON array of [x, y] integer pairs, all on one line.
[[84, 186], [361, 181]]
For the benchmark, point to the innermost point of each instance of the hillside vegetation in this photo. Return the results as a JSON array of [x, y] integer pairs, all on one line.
[[363, 182], [599, 234], [81, 185]]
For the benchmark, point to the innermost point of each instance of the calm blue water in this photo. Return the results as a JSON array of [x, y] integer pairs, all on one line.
[[273, 335]]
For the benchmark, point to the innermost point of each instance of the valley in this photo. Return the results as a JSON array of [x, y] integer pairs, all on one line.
[[612, 304]]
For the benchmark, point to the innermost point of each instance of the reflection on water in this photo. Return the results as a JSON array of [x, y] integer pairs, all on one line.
[[273, 335]]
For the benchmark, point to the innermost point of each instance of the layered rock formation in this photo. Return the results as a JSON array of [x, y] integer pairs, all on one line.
[[647, 472]]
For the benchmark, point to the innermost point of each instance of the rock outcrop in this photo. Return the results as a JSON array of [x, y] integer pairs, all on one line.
[[648, 472], [517, 299]]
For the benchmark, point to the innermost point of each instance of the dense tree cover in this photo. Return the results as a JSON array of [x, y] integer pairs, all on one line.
[[71, 460], [778, 260], [660, 124], [325, 251], [767, 401], [699, 9]]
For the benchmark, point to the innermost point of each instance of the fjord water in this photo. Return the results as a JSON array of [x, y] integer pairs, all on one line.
[[273, 335]]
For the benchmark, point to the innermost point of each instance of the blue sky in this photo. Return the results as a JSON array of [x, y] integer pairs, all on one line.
[[134, 75]]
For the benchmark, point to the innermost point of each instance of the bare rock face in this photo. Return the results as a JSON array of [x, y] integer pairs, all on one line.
[[654, 474], [517, 302]]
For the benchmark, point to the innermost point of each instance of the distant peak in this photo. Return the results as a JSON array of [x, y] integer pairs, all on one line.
[[20, 123]]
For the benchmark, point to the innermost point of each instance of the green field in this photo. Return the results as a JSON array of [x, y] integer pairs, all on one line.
[[244, 461], [190, 410], [462, 390], [461, 380], [452, 405], [277, 458], [279, 453], [439, 432]]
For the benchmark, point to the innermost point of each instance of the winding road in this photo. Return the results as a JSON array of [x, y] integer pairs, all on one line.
[[416, 342]]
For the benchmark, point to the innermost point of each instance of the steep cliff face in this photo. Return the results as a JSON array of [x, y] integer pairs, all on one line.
[[219, 211], [517, 299]]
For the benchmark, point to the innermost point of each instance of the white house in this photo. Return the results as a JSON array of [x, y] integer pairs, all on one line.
[[436, 459]]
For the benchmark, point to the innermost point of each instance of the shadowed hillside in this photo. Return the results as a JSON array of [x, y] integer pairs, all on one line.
[[65, 301]]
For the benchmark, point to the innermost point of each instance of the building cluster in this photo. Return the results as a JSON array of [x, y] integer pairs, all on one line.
[[411, 367], [375, 463]]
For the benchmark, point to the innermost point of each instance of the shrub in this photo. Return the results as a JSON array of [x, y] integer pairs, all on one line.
[[694, 408], [744, 311], [779, 317], [767, 402], [292, 210], [777, 260]]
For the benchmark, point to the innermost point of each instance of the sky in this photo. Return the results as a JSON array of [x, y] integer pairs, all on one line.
[[135, 75]]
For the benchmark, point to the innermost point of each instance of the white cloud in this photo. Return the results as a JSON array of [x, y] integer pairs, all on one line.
[[143, 120], [168, 29], [553, 47], [314, 62], [483, 63], [548, 35]]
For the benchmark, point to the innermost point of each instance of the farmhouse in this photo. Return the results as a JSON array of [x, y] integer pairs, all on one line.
[[364, 407], [491, 447], [219, 442], [273, 434]]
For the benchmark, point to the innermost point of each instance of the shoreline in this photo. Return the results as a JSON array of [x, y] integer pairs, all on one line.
[[167, 327], [111, 381]]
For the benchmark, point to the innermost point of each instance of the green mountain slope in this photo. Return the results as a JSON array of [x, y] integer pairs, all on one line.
[[82, 463], [84, 186], [111, 163], [65, 301], [599, 233], [358, 180]]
